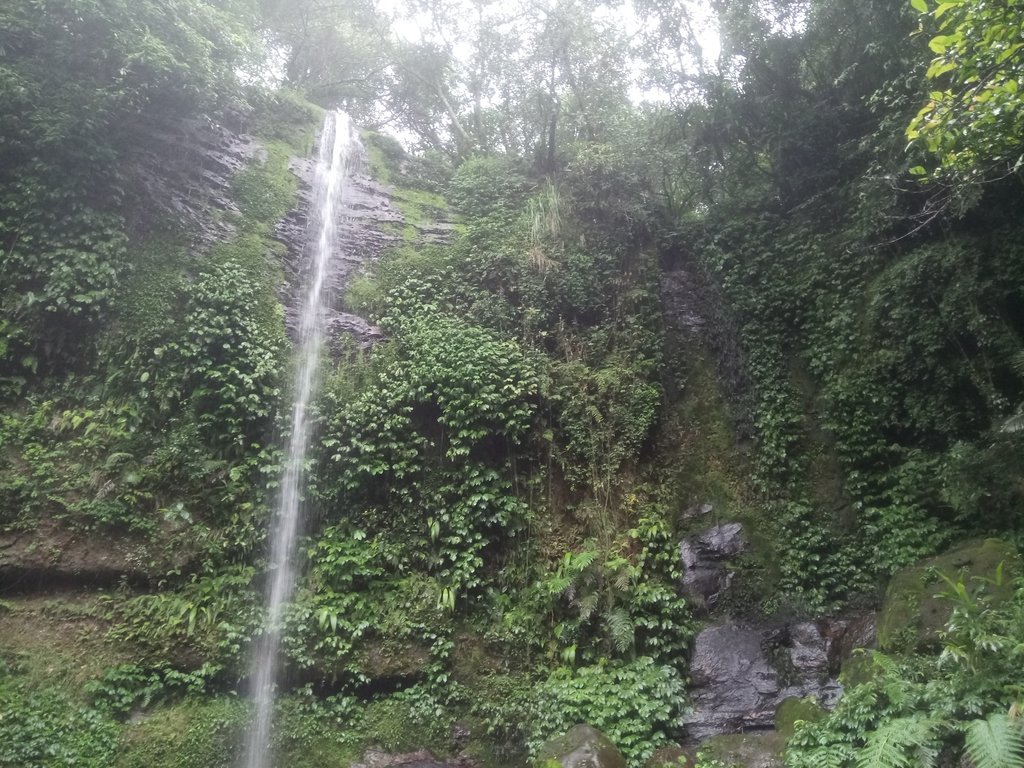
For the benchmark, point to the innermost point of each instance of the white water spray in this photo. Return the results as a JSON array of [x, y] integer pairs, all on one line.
[[338, 146]]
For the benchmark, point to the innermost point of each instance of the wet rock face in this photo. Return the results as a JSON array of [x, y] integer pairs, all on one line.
[[52, 554], [693, 309], [370, 225], [742, 672], [704, 558], [184, 171]]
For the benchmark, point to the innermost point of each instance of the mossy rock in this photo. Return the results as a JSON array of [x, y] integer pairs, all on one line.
[[190, 734], [393, 724], [390, 660], [793, 710], [581, 747], [914, 613], [762, 749], [670, 757]]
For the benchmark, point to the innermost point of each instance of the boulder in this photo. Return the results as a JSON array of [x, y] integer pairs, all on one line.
[[697, 511], [378, 758], [741, 673], [914, 611], [750, 750], [581, 747], [671, 757], [394, 664]]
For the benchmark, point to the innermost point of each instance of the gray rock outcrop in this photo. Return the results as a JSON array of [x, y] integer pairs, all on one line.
[[378, 758], [371, 223], [741, 672]]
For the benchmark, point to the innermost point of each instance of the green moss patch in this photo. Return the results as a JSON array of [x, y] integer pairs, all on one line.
[[57, 640], [915, 611], [190, 734], [762, 749], [794, 710]]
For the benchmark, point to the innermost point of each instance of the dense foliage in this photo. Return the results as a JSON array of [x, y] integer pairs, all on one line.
[[924, 710], [748, 294]]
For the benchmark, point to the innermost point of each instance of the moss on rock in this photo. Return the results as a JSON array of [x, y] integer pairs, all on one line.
[[794, 710], [750, 750], [581, 747], [914, 610], [670, 757]]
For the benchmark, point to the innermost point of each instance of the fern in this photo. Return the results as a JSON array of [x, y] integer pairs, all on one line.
[[997, 742], [587, 605], [834, 756], [1017, 361], [893, 743], [581, 561], [620, 629]]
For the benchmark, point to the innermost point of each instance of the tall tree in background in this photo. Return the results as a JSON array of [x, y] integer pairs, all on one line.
[[337, 52]]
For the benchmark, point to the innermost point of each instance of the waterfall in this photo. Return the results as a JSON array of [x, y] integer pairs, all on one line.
[[338, 146]]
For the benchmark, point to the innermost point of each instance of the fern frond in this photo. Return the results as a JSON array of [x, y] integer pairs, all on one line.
[[557, 584], [1017, 361], [892, 745], [623, 579], [884, 664], [835, 756], [587, 605], [620, 629], [1014, 423], [583, 560], [926, 755], [996, 742]]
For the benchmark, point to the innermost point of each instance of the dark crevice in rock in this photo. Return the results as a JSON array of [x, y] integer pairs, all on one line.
[[34, 581]]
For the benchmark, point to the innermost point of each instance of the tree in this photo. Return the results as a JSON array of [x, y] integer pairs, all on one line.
[[337, 52], [973, 122]]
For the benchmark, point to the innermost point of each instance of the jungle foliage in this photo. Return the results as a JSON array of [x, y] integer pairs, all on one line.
[[497, 487]]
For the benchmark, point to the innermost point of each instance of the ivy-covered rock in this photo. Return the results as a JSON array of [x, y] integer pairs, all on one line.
[[914, 610], [581, 747]]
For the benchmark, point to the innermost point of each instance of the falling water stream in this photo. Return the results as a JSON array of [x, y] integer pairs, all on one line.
[[338, 146]]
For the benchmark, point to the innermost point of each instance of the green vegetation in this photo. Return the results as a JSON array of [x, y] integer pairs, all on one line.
[[921, 707], [972, 121], [598, 317]]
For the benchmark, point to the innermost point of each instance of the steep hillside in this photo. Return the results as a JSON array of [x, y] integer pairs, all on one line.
[[696, 421]]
